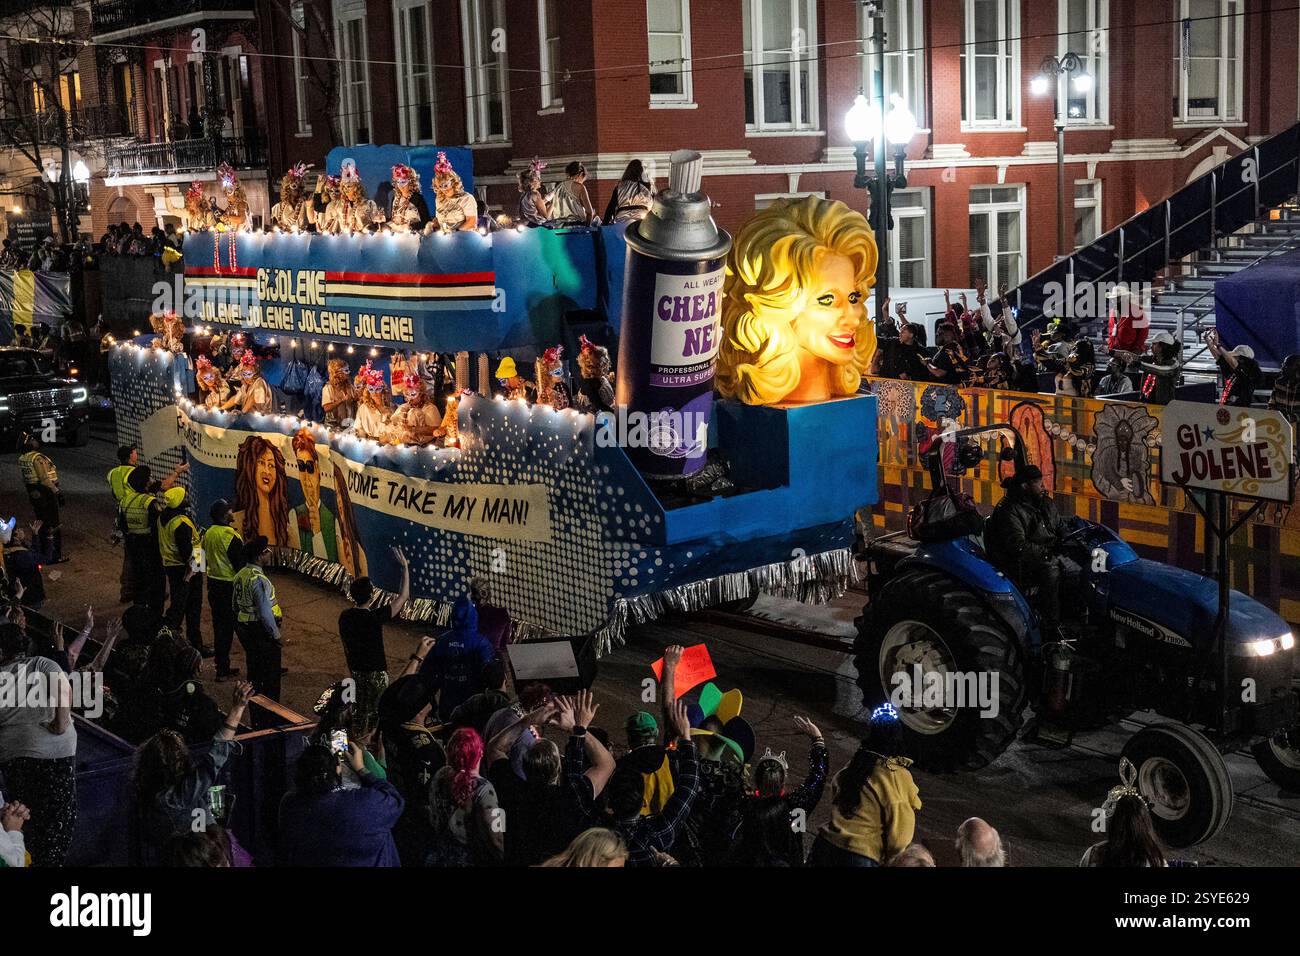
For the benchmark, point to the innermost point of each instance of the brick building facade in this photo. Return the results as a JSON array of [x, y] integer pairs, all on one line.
[[761, 87]]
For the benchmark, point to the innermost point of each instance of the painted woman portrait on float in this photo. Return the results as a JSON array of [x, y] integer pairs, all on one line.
[[794, 318], [262, 493], [351, 552]]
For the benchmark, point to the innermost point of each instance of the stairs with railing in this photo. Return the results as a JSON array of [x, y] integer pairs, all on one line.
[[1239, 213]]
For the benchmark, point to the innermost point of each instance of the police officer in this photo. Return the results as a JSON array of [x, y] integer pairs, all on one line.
[[178, 540], [42, 481], [221, 545], [138, 519], [128, 456], [257, 619]]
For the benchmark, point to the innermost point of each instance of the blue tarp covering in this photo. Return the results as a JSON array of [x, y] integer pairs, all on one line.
[[375, 164], [1260, 307]]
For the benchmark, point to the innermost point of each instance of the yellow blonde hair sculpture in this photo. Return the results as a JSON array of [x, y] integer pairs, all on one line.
[[769, 282]]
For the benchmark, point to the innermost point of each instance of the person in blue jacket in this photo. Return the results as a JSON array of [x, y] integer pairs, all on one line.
[[324, 824], [453, 671]]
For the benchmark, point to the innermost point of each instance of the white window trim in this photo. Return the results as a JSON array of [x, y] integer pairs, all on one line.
[[299, 13], [164, 111], [805, 123], [1236, 109], [992, 209], [345, 12], [1008, 35], [686, 98], [406, 121], [230, 58], [471, 18], [913, 212], [1097, 64], [552, 100], [1093, 203], [912, 41]]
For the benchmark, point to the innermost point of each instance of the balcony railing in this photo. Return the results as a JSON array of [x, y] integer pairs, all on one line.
[[110, 16], [184, 156]]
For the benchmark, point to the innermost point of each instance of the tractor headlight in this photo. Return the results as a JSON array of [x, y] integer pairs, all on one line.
[[1287, 641], [79, 395], [1269, 646]]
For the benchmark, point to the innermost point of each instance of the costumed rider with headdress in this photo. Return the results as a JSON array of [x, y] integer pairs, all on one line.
[[212, 387], [374, 404], [236, 212], [552, 388], [352, 211], [254, 394], [291, 213], [596, 377], [457, 210], [512, 384], [171, 329], [405, 209], [338, 398], [198, 208], [417, 420]]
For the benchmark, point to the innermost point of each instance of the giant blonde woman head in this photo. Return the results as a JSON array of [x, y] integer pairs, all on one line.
[[794, 318]]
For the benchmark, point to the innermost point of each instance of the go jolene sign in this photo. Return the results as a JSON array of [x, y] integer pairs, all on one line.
[[1246, 452]]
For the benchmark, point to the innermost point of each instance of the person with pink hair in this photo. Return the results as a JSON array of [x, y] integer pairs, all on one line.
[[463, 808]]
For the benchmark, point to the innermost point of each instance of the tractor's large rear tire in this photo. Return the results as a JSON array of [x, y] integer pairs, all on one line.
[[1279, 757], [925, 619], [1184, 777]]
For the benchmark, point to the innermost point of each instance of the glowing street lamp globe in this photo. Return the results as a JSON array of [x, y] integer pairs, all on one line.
[[862, 121], [900, 124]]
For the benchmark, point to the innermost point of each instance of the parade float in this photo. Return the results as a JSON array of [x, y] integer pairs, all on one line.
[[584, 514]]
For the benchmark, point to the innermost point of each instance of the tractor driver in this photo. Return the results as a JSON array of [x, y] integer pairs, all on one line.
[[1022, 538]]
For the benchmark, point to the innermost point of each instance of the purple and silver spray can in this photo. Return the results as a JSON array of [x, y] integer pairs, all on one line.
[[672, 307]]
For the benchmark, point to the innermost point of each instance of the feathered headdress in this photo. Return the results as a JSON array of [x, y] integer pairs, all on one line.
[[297, 172], [587, 345], [443, 165], [404, 175], [238, 339], [537, 165], [333, 182], [372, 378], [553, 355], [248, 364], [195, 191], [412, 382], [226, 174], [203, 363]]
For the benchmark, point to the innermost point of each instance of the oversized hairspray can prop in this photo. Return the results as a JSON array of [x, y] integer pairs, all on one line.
[[672, 302]]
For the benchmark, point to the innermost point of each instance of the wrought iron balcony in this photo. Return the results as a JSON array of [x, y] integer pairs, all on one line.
[[112, 16], [184, 156], [54, 127]]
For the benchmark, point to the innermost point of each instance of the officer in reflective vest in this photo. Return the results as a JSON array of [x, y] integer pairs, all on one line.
[[137, 518], [128, 456], [257, 619], [221, 545], [42, 481], [178, 540]]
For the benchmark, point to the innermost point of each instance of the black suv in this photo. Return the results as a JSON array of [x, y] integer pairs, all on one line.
[[34, 399]]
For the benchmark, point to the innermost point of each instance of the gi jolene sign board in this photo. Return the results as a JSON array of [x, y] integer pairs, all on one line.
[[1246, 452]]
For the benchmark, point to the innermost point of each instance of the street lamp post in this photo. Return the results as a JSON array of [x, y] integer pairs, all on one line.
[[867, 122], [1048, 76]]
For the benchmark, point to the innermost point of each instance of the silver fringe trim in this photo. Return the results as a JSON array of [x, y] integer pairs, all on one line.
[[812, 579]]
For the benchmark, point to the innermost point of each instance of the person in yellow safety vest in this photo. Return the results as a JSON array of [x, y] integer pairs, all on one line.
[[42, 481], [178, 542], [257, 619], [221, 545], [128, 456], [137, 517]]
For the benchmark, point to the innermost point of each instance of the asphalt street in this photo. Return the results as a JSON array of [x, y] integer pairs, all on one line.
[[1040, 798]]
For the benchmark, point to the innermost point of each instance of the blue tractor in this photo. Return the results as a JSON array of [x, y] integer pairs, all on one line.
[[943, 624]]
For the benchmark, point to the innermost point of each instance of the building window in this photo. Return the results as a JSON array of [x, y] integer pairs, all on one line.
[[763, 200], [300, 74], [1087, 211], [780, 64], [904, 55], [124, 96], [990, 63], [1084, 32], [415, 103], [354, 104], [487, 101], [669, 23], [548, 38], [161, 111], [909, 262], [1207, 67], [997, 235]]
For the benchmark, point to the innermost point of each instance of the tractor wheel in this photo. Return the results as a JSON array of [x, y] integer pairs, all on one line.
[[1279, 757], [925, 624], [1186, 780]]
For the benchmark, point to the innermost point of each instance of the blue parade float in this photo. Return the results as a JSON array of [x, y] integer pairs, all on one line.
[[543, 502]]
